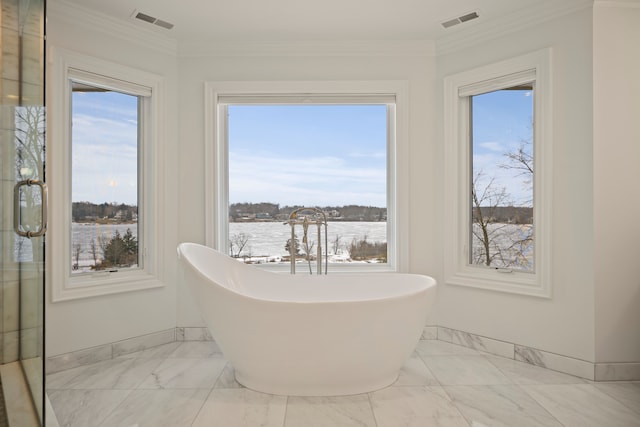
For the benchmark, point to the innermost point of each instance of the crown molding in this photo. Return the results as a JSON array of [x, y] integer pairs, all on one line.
[[63, 11], [499, 27], [308, 48]]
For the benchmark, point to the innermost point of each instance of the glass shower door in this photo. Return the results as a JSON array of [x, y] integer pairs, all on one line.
[[23, 192], [30, 217]]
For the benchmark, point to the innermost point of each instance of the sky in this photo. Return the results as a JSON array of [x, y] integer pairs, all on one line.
[[311, 155], [502, 120], [104, 148]]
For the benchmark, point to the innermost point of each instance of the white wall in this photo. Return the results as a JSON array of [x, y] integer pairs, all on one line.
[[418, 70], [563, 324], [616, 152], [593, 314], [84, 323]]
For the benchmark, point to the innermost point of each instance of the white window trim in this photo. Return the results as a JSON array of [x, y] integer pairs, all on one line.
[[457, 174], [64, 285], [216, 157]]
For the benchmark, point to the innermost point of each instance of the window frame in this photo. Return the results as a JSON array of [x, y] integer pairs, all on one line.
[[69, 66], [457, 198], [216, 155]]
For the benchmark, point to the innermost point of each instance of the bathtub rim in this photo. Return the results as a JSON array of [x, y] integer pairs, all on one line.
[[429, 284]]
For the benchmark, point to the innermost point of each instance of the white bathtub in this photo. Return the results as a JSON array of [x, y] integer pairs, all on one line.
[[307, 335]]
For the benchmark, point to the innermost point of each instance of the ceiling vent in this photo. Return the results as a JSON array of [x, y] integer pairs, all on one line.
[[460, 19], [152, 20]]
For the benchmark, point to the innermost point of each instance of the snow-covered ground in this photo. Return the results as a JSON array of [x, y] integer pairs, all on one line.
[[266, 240], [270, 238]]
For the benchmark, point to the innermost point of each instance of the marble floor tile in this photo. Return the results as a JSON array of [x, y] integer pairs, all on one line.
[[158, 408], [242, 408], [441, 348], [82, 408], [191, 383], [342, 411], [415, 407], [465, 370], [525, 373], [500, 406], [110, 374], [185, 373], [49, 414], [582, 405], [415, 372], [196, 350], [628, 393]]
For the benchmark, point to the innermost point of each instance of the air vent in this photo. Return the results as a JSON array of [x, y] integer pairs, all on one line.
[[460, 19], [164, 24], [152, 20]]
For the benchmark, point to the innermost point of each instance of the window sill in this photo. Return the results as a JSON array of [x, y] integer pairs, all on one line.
[[500, 280], [100, 284]]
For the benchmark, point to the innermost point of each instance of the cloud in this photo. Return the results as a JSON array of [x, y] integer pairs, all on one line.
[[323, 181], [104, 160], [492, 146]]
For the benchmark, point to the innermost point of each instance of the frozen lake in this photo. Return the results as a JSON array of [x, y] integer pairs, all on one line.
[[270, 238], [264, 238], [84, 233]]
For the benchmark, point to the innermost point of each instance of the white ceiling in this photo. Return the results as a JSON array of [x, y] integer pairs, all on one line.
[[304, 20]]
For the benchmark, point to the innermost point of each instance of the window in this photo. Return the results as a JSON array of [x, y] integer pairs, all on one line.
[[104, 178], [103, 174], [502, 173], [281, 150], [497, 129]]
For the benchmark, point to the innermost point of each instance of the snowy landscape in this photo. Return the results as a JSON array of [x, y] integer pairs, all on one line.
[[266, 240]]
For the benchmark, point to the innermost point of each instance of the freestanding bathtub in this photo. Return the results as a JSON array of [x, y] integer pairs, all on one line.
[[307, 335]]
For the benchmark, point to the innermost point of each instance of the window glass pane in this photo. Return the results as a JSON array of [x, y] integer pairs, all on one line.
[[104, 193], [502, 179], [332, 157]]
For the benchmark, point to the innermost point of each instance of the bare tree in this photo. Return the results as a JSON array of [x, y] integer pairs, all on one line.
[[29, 136], [296, 246], [521, 161], [77, 249], [93, 247], [496, 243], [485, 200], [336, 244], [103, 241], [29, 140], [237, 242]]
